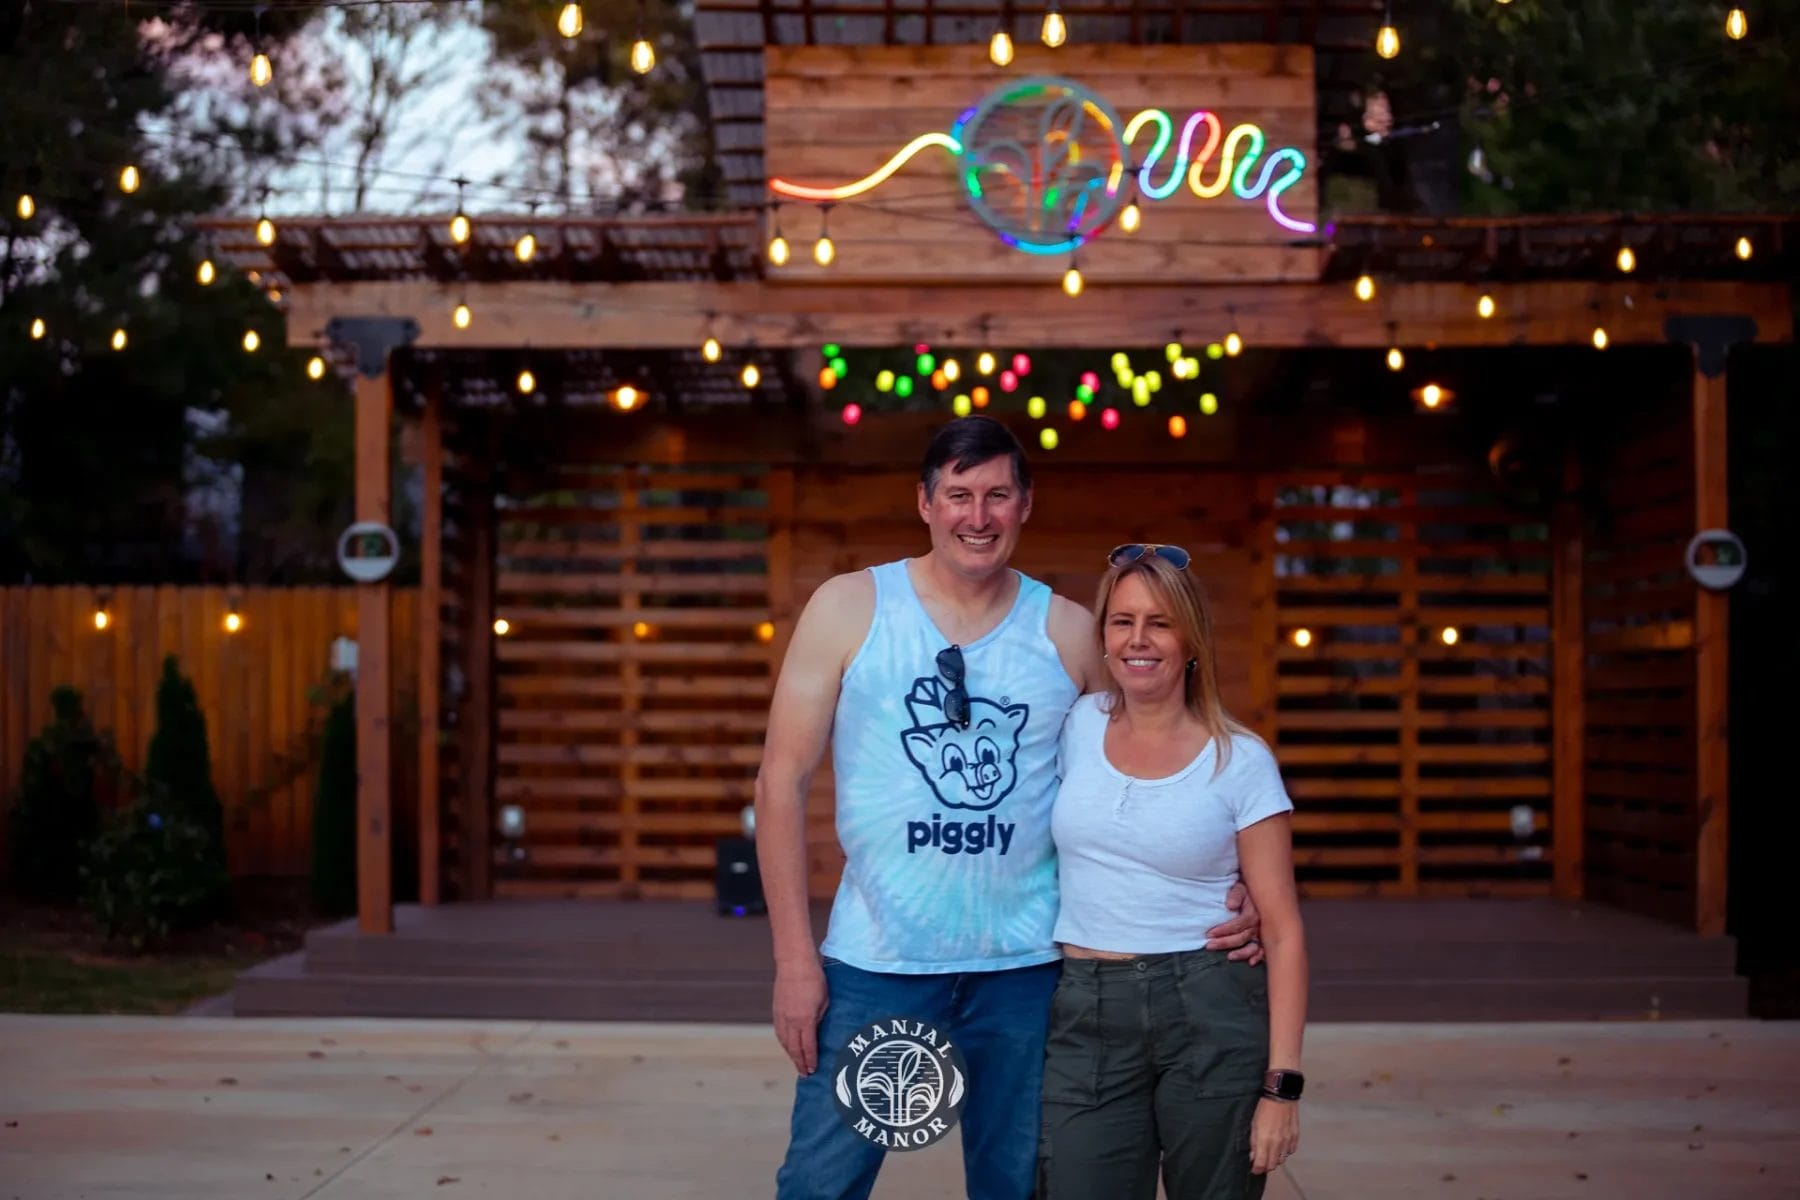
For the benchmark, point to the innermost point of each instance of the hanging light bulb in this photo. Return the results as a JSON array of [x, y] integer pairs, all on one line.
[[569, 21], [1484, 307], [206, 272], [118, 339], [252, 341], [1737, 24], [711, 351], [27, 207], [315, 368], [1600, 340], [234, 621], [102, 619], [824, 251], [129, 179], [1744, 249], [984, 362], [1387, 38], [1072, 282], [527, 382], [1056, 30], [1627, 260], [1000, 48], [461, 315], [643, 56], [459, 227], [1431, 396], [38, 329], [1177, 426], [1396, 360], [1365, 288], [1234, 345], [265, 231], [261, 69], [779, 253], [750, 376], [525, 249], [625, 397], [1131, 218]]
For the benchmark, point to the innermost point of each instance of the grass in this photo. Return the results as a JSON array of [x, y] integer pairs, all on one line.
[[50, 981]]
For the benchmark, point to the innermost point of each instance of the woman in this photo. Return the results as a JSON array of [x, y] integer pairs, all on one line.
[[1161, 1051]]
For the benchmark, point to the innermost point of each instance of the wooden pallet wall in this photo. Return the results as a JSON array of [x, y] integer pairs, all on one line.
[[633, 684], [1640, 701], [1410, 752]]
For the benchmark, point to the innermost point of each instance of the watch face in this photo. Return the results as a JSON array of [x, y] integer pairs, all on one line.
[[1287, 1085]]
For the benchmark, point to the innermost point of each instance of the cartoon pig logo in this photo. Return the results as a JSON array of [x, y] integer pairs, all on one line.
[[972, 768]]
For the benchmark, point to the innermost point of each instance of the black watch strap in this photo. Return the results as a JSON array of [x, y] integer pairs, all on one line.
[[1283, 1085]]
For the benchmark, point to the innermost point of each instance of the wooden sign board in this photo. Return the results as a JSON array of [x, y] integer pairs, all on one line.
[[836, 115]]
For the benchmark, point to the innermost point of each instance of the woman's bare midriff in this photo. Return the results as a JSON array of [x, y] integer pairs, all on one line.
[[1107, 955]]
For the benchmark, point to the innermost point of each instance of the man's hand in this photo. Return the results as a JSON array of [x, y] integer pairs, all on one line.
[[800, 999], [1242, 934]]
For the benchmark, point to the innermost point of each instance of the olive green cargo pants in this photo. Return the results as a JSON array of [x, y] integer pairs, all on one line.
[[1154, 1061]]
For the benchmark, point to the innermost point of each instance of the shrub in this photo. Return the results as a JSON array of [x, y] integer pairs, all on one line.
[[56, 809], [152, 870], [179, 765], [334, 814]]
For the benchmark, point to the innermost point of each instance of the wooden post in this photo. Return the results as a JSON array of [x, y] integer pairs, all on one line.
[[431, 586], [1568, 682], [374, 674], [1712, 661]]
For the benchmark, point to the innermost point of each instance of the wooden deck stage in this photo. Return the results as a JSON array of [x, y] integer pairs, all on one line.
[[1372, 960]]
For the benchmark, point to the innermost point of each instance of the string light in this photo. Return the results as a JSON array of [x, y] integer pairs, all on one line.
[[1177, 426], [502, 626], [1302, 638], [1600, 340], [1072, 283], [525, 249], [252, 341], [1209, 403], [1365, 288], [852, 413], [315, 368], [626, 397], [1396, 360], [824, 250], [962, 404], [102, 619], [234, 620], [750, 376], [827, 379], [1131, 218], [1432, 397], [461, 315], [459, 227], [1000, 48], [265, 230], [206, 272], [262, 71], [129, 179], [1745, 249], [1234, 345], [118, 339], [569, 21], [27, 207], [1047, 438], [527, 382], [765, 632], [1055, 31], [38, 329], [643, 57], [952, 370], [711, 351], [1484, 307], [1737, 24], [1627, 260], [1387, 38], [1450, 635]]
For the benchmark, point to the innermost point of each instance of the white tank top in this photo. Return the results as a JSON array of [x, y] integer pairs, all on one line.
[[946, 831]]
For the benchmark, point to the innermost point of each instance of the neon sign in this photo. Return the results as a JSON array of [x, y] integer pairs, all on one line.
[[1043, 163]]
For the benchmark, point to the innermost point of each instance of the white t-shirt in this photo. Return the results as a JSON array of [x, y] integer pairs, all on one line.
[[1144, 864]]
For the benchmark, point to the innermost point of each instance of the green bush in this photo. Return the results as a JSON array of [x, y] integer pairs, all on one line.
[[151, 871], [334, 814], [179, 765], [56, 809]]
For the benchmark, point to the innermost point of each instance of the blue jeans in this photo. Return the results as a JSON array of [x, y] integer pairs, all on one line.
[[997, 1018]]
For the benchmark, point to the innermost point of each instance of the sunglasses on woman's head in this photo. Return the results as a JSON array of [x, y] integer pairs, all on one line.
[[956, 700], [1175, 556]]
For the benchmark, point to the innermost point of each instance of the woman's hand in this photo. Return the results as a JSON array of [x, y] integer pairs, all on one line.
[[1274, 1134]]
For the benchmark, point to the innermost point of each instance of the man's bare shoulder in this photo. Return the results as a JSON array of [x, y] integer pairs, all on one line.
[[1071, 629], [838, 616]]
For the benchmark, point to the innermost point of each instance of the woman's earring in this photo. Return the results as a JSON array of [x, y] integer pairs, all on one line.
[[1191, 664]]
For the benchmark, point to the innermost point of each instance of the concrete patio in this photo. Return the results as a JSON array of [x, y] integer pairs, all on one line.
[[221, 1109]]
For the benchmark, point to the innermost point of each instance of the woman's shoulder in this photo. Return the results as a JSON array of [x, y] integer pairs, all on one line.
[[1249, 753]]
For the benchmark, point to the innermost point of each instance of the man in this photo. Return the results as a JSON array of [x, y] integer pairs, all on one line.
[[941, 684]]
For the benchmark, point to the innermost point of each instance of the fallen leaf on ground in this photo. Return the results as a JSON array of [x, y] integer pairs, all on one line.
[[422, 1131], [443, 1179]]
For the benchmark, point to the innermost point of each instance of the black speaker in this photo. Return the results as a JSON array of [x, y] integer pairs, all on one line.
[[736, 880]]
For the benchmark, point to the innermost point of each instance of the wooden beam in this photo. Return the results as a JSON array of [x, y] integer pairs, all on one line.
[[374, 674], [1712, 664], [552, 315], [431, 599], [1568, 834]]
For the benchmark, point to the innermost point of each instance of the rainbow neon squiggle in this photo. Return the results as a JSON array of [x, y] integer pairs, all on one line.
[[1065, 184]]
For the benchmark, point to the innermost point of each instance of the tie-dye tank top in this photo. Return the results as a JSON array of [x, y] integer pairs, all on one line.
[[946, 831]]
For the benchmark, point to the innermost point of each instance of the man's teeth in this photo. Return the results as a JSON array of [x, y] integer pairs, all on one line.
[[977, 541]]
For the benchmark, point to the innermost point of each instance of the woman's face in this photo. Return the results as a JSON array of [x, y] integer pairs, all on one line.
[[1143, 651]]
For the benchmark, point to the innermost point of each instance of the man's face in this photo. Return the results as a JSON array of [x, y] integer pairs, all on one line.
[[975, 515]]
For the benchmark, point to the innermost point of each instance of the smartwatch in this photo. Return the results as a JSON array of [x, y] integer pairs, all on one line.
[[1283, 1085]]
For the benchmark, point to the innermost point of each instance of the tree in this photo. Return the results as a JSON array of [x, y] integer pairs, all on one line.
[[178, 768], [56, 811]]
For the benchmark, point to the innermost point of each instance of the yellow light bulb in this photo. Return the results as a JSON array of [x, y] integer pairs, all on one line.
[[569, 21], [1601, 341], [1387, 42], [315, 367], [527, 382], [459, 228], [1209, 403], [1431, 395], [1302, 638], [1484, 307], [265, 231], [1234, 345], [1056, 30], [118, 339], [1627, 260], [1451, 635], [1000, 48], [765, 632], [643, 57], [525, 248], [779, 251], [640, 630], [1365, 288], [1737, 25], [1047, 438], [38, 329], [252, 341], [502, 626], [824, 251], [962, 405], [1745, 249], [626, 397], [750, 375], [1131, 218], [129, 180], [461, 316], [711, 351], [984, 363], [261, 69], [1395, 359], [952, 370], [1036, 407], [27, 207], [1177, 426], [102, 618], [233, 622], [206, 272], [1072, 281]]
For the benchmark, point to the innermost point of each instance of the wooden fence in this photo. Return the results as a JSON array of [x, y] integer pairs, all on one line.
[[256, 687]]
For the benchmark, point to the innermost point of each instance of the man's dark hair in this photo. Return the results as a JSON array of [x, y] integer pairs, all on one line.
[[968, 442]]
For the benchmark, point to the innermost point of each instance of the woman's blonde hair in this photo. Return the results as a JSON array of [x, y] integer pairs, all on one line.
[[1183, 601]]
